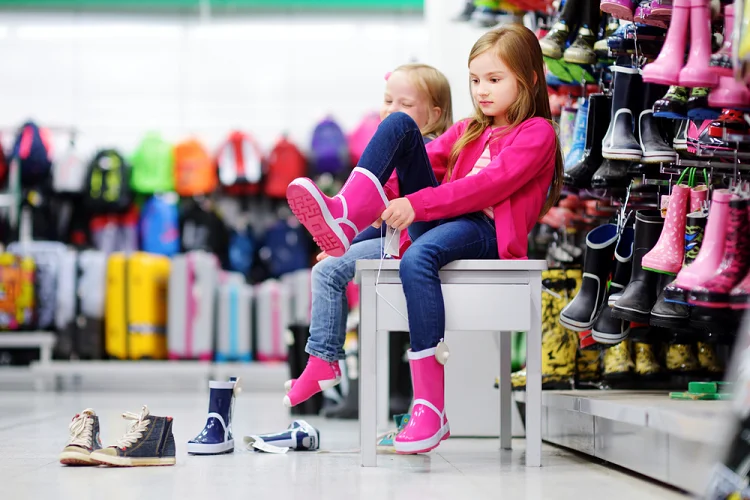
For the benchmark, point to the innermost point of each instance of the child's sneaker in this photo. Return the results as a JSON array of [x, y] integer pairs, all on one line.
[[149, 441], [84, 439]]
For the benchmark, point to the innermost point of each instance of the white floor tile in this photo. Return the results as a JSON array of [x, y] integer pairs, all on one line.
[[34, 428]]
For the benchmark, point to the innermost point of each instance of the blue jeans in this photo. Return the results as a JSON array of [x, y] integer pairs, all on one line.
[[398, 145]]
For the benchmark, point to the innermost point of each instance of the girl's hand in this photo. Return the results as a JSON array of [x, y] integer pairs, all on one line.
[[399, 214], [321, 256], [377, 223]]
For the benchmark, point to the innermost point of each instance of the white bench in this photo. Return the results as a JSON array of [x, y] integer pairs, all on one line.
[[480, 295]]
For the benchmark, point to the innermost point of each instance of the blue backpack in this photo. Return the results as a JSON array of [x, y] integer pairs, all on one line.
[[32, 150], [286, 248], [330, 149], [160, 225], [241, 251]]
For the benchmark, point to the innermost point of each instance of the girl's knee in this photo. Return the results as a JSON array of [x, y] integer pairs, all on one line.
[[401, 120], [417, 260]]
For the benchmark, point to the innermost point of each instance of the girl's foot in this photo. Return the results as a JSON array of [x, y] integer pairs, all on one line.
[[318, 376]]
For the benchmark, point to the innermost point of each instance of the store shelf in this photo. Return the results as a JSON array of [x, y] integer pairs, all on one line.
[[676, 442], [154, 376]]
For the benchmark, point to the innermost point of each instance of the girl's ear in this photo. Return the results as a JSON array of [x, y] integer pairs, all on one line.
[[536, 78], [435, 113]]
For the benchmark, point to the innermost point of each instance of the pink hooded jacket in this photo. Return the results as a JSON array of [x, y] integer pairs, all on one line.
[[515, 183]]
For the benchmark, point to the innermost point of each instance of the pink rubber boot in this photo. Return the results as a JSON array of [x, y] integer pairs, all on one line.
[[621, 9], [721, 60], [666, 69], [730, 94], [666, 257], [698, 195], [318, 376], [428, 425], [334, 222], [712, 248], [697, 72]]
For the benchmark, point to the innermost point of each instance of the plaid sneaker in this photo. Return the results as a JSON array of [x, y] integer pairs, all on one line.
[[84, 439]]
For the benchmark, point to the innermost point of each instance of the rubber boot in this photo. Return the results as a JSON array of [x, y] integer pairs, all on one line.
[[729, 94], [698, 106], [679, 143], [697, 72], [655, 149], [618, 362], [666, 257], [698, 197], [581, 51], [428, 425], [607, 329], [578, 147], [681, 358], [721, 61], [713, 291], [666, 69], [216, 436], [666, 314], [731, 121], [611, 174], [619, 143], [708, 360], [739, 297], [599, 115], [588, 368], [646, 363], [601, 46], [640, 295], [334, 222], [553, 43], [673, 105], [581, 313], [711, 250], [318, 376], [621, 9]]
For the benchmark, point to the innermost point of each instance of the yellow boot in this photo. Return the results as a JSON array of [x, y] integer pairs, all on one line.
[[646, 362], [559, 345], [618, 362], [708, 360], [588, 367], [681, 358]]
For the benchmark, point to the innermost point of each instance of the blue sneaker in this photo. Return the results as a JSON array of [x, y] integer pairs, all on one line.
[[149, 441]]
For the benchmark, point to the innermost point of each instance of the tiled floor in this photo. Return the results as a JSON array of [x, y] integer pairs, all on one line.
[[34, 427]]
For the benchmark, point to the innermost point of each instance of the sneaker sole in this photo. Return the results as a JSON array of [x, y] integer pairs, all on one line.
[[310, 209], [133, 462], [72, 458]]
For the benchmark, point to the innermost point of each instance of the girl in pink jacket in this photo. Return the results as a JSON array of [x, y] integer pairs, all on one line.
[[503, 171]]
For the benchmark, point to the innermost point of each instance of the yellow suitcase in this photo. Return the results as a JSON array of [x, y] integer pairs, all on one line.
[[136, 306]]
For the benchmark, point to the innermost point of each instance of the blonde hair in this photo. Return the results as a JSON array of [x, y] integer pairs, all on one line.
[[434, 85], [519, 49]]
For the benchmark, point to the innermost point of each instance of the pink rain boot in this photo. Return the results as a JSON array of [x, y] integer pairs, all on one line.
[[729, 94], [666, 69], [666, 257], [697, 72], [721, 61], [621, 9], [334, 222], [318, 376], [428, 425], [698, 195], [711, 253], [714, 291]]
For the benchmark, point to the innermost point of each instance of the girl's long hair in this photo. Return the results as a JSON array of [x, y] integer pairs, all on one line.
[[433, 84], [519, 49]]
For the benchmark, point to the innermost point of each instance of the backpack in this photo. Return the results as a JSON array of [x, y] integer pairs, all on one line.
[[160, 226], [69, 171], [153, 166], [360, 137], [329, 151], [4, 168], [285, 248], [240, 164], [195, 173], [285, 163], [242, 248], [33, 149], [202, 229], [107, 186]]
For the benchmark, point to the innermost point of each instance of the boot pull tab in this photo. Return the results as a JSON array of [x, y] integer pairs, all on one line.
[[237, 386], [442, 353]]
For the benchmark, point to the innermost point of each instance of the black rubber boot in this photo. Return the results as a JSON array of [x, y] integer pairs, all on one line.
[[620, 143], [640, 295], [673, 105], [600, 112], [579, 315], [611, 174], [669, 314], [609, 330], [655, 149]]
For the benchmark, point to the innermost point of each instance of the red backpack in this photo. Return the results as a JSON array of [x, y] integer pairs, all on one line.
[[285, 163], [240, 164]]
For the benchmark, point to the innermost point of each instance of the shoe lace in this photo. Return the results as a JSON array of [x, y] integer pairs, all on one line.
[[136, 429], [82, 429]]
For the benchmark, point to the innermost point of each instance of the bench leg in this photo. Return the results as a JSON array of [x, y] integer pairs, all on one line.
[[384, 341], [368, 376], [534, 377], [506, 395]]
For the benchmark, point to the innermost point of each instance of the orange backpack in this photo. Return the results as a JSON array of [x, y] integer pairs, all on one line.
[[195, 172], [285, 163]]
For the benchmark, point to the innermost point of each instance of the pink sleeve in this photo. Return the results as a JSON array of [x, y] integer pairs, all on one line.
[[532, 150], [439, 150], [391, 186]]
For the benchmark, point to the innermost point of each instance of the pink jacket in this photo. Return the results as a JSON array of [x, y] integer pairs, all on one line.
[[515, 183]]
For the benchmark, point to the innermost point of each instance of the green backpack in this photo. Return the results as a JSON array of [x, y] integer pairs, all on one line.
[[152, 166]]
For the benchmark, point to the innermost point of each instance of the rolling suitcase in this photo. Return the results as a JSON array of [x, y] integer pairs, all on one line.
[[234, 333], [272, 311], [192, 297], [136, 306], [90, 289], [16, 292], [47, 257]]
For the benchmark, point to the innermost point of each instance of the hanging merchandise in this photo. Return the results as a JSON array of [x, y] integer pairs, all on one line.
[[286, 247], [580, 128], [583, 14], [272, 309], [285, 163], [33, 149], [360, 137], [195, 172], [160, 225], [107, 187], [234, 327], [730, 93], [329, 152], [201, 228], [620, 142], [153, 166], [69, 169], [607, 329], [579, 175], [242, 251], [241, 164], [17, 295]]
